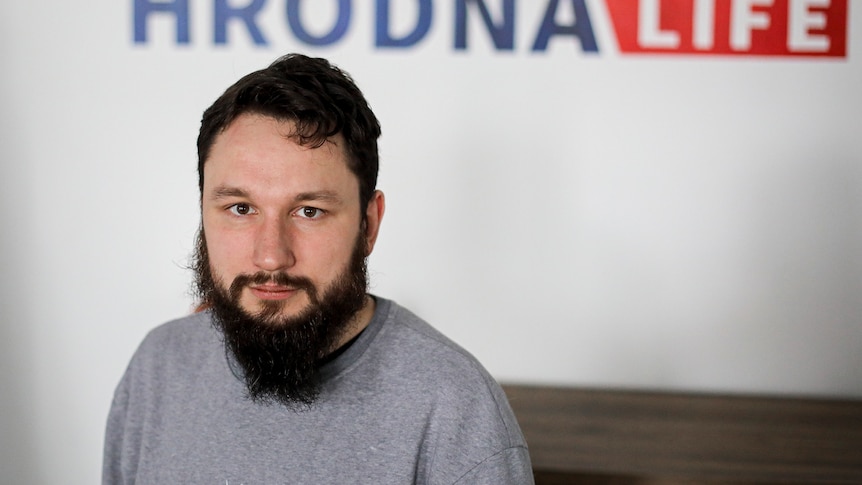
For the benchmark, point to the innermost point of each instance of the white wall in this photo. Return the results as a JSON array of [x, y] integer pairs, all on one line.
[[663, 222]]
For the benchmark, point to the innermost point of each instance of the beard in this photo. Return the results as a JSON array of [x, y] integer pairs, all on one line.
[[281, 356]]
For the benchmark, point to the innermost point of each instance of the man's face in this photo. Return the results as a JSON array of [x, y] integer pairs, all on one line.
[[271, 206], [281, 257]]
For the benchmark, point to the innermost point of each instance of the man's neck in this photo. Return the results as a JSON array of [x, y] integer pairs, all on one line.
[[358, 323]]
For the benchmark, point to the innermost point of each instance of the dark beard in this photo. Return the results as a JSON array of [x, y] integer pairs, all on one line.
[[281, 356]]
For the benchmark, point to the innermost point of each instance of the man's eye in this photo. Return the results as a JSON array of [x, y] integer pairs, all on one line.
[[310, 212], [240, 209]]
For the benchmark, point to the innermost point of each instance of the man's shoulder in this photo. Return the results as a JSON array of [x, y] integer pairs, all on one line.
[[431, 368], [184, 338], [421, 352], [419, 341], [181, 331]]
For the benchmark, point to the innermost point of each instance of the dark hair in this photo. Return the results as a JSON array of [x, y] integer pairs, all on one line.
[[319, 98]]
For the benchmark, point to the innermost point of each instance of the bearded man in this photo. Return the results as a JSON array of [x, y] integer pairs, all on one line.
[[291, 372]]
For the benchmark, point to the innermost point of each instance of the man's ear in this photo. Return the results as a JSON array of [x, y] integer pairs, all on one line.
[[373, 217]]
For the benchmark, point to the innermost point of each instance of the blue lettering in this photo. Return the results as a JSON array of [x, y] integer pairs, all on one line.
[[503, 35], [582, 28], [384, 37], [501, 27], [332, 37], [223, 12], [180, 8]]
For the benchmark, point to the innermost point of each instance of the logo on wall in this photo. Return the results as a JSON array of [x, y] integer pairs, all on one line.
[[731, 27], [807, 28]]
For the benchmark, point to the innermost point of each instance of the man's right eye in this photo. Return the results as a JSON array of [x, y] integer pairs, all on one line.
[[240, 209]]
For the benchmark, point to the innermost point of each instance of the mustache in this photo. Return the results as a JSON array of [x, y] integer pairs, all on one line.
[[279, 278]]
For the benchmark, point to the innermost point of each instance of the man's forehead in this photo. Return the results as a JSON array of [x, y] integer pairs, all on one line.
[[258, 153], [251, 130], [307, 135]]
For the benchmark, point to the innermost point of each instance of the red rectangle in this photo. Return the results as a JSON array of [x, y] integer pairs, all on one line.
[[808, 28]]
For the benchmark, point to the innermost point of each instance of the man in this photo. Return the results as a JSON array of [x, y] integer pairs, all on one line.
[[292, 373]]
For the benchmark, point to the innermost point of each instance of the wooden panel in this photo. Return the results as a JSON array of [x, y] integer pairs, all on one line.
[[625, 437]]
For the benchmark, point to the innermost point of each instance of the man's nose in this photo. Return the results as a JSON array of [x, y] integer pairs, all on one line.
[[272, 245]]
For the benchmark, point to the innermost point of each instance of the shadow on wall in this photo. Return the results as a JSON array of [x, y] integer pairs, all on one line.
[[18, 457], [806, 261]]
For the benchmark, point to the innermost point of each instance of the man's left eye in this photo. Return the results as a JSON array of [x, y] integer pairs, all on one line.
[[310, 212]]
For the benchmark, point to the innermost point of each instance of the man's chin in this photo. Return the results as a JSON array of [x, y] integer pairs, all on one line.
[[274, 311]]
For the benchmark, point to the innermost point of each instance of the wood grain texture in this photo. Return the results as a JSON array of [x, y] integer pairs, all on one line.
[[624, 437]]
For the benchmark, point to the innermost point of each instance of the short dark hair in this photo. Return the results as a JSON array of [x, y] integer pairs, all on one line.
[[319, 98]]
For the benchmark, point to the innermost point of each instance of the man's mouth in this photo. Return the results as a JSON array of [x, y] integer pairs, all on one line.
[[272, 292]]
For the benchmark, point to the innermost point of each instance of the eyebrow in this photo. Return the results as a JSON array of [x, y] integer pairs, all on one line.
[[227, 192], [324, 195]]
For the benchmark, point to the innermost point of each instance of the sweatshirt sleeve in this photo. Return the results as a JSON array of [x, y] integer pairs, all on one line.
[[116, 439], [509, 467]]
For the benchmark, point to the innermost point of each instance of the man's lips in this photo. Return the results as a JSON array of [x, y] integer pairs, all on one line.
[[272, 292]]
